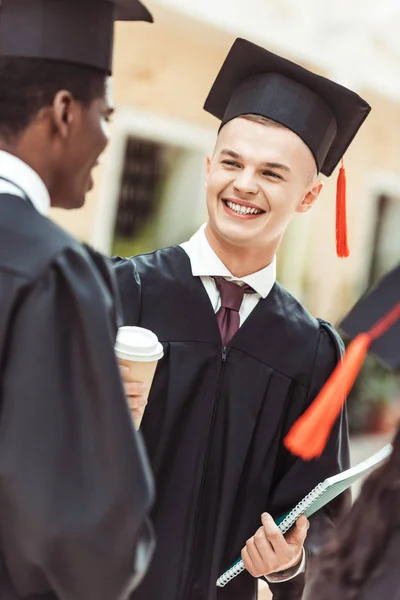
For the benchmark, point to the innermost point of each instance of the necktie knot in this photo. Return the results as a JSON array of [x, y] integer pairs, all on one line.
[[231, 293]]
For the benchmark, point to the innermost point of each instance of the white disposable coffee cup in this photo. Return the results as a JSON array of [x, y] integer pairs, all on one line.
[[139, 350]]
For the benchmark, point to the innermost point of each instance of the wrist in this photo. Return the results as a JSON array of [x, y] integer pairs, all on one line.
[[294, 564], [297, 567]]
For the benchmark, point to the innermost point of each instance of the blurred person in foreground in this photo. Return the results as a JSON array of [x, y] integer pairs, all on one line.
[[243, 359], [75, 485], [362, 560]]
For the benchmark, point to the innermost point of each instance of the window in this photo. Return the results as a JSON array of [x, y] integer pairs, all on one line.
[[386, 239], [152, 189], [144, 179]]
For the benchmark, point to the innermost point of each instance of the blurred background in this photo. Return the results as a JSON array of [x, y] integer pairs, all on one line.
[[150, 186]]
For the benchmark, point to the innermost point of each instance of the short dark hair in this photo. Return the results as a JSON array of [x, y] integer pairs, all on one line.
[[27, 85]]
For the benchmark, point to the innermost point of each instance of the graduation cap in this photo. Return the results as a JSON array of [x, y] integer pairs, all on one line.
[[73, 31], [324, 114], [374, 323]]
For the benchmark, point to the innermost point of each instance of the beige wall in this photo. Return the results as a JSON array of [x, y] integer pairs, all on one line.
[[167, 68], [337, 282]]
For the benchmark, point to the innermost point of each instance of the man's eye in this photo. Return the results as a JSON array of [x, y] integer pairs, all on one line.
[[271, 174], [231, 163]]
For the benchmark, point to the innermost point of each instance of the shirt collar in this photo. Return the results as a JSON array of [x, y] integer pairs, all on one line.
[[25, 178], [205, 263]]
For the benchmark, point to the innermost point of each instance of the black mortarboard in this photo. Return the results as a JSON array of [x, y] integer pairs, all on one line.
[[380, 301], [324, 114], [374, 323], [73, 31]]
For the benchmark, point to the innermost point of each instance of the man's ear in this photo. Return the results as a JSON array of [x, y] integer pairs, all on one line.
[[63, 115], [310, 197]]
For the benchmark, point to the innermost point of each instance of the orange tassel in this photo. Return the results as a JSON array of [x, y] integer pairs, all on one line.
[[342, 247], [309, 435]]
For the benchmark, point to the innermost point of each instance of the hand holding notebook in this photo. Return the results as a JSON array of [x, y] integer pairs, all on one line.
[[269, 551], [321, 495]]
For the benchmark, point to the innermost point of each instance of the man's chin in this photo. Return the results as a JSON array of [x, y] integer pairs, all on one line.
[[80, 203], [90, 184], [235, 234], [70, 202]]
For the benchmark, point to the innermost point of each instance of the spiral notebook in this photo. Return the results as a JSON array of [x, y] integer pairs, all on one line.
[[323, 493]]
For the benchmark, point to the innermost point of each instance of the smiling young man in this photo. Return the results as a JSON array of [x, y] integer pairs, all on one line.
[[260, 175], [75, 486], [243, 359]]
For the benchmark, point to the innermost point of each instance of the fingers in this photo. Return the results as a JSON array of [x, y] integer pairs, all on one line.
[[137, 403], [137, 416], [135, 388], [248, 563], [259, 556], [268, 551], [303, 524], [124, 370], [138, 387], [136, 393], [297, 535], [260, 553], [274, 535]]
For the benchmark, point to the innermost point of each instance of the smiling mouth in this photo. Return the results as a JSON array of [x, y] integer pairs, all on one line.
[[241, 209]]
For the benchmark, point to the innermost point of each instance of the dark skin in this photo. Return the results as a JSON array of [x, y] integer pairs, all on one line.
[[63, 144]]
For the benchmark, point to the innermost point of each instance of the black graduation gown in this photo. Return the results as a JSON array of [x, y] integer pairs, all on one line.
[[215, 423], [75, 486]]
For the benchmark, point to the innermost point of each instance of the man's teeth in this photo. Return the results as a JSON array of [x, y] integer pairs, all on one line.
[[243, 210]]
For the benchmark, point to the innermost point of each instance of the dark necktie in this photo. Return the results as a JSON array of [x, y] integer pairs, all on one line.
[[231, 301]]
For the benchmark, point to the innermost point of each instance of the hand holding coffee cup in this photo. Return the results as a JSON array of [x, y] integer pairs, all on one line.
[[138, 351], [136, 393]]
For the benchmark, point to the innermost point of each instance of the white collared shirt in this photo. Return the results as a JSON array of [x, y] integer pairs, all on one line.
[[206, 265], [26, 180]]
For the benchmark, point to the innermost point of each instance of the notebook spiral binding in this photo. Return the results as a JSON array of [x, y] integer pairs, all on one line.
[[284, 526], [301, 508]]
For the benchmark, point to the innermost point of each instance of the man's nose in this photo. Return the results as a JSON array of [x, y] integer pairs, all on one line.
[[245, 182]]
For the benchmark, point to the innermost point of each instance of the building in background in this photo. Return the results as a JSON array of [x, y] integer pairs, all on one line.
[[150, 185]]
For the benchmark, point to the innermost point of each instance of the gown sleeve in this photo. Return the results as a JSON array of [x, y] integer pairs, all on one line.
[[75, 486], [302, 476], [129, 288]]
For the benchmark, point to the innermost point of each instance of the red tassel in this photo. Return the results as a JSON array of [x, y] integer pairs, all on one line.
[[309, 435], [342, 247]]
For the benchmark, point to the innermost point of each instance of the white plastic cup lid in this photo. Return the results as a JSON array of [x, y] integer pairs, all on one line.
[[137, 343]]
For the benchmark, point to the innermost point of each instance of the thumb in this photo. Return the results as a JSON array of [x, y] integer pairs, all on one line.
[[303, 523], [298, 534]]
